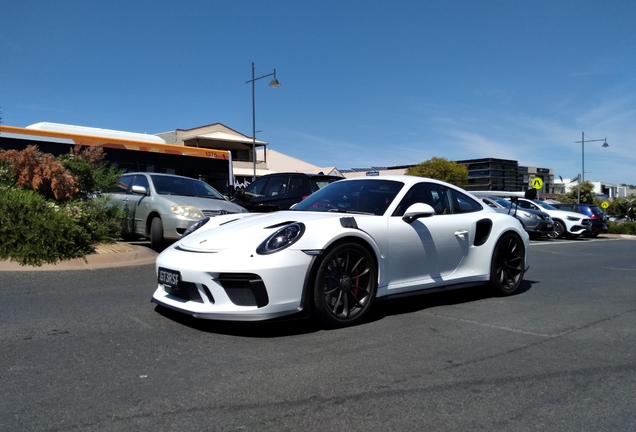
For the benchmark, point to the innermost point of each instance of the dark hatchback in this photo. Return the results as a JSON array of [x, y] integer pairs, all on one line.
[[597, 216], [280, 191]]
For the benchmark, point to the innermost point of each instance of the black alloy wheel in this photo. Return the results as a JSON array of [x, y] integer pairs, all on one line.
[[345, 285], [558, 231], [508, 265]]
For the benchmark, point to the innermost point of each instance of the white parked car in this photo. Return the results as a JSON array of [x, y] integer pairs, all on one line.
[[163, 206], [339, 249], [568, 224]]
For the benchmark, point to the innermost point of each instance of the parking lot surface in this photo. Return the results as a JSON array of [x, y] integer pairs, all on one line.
[[86, 350]]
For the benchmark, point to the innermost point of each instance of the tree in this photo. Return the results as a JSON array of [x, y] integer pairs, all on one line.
[[39, 172], [587, 194], [623, 207], [441, 169], [92, 174]]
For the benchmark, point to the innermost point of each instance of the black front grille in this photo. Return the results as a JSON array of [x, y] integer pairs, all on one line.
[[185, 291], [244, 289]]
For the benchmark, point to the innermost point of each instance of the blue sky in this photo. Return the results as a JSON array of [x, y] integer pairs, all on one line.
[[364, 83]]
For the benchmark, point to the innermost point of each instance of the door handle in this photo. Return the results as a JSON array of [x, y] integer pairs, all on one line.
[[461, 234]]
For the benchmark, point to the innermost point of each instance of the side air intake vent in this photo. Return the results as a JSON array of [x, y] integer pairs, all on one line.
[[482, 233]]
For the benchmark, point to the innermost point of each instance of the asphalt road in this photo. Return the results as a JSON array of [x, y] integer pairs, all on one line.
[[87, 351]]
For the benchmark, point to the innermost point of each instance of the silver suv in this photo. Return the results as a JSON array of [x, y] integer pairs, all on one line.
[[163, 206]]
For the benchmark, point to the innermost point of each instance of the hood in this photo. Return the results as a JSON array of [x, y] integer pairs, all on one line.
[[203, 203], [225, 232]]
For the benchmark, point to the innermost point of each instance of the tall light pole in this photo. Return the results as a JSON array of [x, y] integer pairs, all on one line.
[[582, 178], [273, 83]]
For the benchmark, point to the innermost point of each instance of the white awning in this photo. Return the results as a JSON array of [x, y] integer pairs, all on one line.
[[224, 136]]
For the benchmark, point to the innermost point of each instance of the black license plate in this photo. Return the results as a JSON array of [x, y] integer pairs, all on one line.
[[170, 279]]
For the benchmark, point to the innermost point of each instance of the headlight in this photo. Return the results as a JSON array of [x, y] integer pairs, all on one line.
[[186, 211], [195, 227], [532, 216], [284, 237], [572, 218]]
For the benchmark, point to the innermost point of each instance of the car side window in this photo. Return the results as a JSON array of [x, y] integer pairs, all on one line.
[[276, 187], [442, 199], [463, 203], [141, 180], [525, 204], [255, 189], [294, 184], [122, 185]]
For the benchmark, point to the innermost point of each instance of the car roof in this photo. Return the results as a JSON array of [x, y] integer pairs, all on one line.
[[156, 174], [310, 175], [406, 179], [572, 204]]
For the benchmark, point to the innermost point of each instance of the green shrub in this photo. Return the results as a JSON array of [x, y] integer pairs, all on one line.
[[92, 176], [7, 177], [34, 231], [622, 228], [102, 222]]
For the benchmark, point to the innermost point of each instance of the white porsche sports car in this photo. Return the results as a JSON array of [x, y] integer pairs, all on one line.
[[338, 250]]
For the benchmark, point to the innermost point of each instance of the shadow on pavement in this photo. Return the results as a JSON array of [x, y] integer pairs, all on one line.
[[295, 325]]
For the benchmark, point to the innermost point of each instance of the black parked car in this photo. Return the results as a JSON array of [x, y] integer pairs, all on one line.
[[280, 191], [596, 215]]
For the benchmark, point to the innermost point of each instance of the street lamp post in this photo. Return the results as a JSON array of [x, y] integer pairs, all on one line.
[[273, 83], [582, 177]]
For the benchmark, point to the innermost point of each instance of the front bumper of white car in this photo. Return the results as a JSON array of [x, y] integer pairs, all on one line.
[[578, 227], [232, 285]]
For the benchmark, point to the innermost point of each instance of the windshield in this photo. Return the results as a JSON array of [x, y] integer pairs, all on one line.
[[353, 196], [500, 201], [168, 185], [319, 183], [544, 205]]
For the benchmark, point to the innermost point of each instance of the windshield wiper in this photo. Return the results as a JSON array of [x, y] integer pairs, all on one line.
[[337, 210]]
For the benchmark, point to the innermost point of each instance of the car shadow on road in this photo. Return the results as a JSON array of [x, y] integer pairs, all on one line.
[[405, 305], [295, 325], [257, 329]]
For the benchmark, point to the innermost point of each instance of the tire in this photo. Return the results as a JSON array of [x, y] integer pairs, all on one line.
[[508, 265], [157, 242], [558, 231], [345, 285]]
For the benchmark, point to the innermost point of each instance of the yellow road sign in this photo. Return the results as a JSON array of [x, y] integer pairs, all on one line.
[[604, 205], [537, 183]]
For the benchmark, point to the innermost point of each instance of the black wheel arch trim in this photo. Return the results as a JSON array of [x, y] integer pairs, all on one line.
[[305, 298]]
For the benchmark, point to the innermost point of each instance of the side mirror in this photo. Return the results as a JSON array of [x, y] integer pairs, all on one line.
[[416, 211], [139, 190]]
